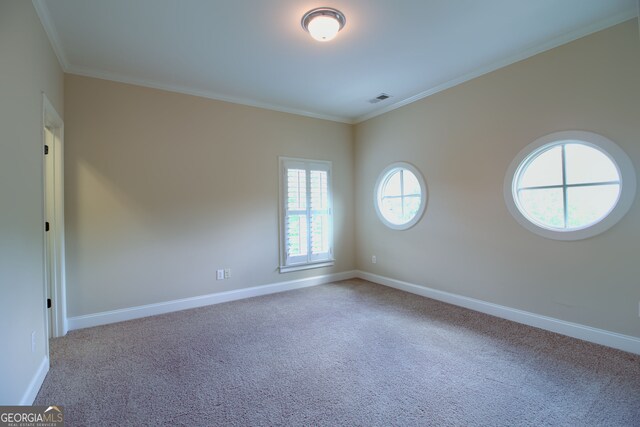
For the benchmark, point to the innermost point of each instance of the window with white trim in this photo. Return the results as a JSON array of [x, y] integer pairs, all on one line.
[[570, 185], [306, 221], [400, 196]]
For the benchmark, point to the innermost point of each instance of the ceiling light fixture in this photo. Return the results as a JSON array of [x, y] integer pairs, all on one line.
[[323, 23]]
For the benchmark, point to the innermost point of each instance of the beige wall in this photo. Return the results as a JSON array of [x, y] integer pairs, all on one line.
[[28, 67], [163, 188], [463, 140]]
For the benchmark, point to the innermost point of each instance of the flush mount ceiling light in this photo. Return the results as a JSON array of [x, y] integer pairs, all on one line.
[[323, 23]]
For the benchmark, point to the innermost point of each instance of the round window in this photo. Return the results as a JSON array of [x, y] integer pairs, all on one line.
[[570, 185], [400, 196]]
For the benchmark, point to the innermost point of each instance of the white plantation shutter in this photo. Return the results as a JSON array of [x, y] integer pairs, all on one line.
[[296, 218], [319, 215], [306, 213]]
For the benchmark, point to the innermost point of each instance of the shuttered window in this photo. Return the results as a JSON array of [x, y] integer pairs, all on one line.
[[306, 214]]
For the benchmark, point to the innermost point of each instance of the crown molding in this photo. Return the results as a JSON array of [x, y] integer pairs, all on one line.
[[556, 42], [45, 18], [106, 75]]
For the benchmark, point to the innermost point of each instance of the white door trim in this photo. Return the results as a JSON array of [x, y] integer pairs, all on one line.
[[51, 119]]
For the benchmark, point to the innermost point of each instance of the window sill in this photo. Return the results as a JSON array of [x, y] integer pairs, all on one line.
[[290, 268]]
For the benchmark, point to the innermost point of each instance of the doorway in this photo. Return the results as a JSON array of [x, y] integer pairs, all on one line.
[[54, 257]]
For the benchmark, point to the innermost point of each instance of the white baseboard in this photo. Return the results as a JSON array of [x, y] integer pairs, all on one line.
[[575, 330], [114, 316], [36, 382]]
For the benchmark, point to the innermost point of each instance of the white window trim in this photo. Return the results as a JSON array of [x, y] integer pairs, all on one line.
[[608, 147], [423, 196], [306, 266], [308, 164]]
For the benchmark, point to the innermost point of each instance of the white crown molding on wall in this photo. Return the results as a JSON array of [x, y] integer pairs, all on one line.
[[45, 18], [104, 75], [558, 41], [574, 330]]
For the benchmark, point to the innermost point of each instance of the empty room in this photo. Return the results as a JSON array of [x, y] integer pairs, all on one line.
[[342, 213]]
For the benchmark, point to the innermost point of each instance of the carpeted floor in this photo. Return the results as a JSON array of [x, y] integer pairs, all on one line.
[[346, 354]]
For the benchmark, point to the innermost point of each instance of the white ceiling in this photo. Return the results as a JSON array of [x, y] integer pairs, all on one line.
[[255, 52]]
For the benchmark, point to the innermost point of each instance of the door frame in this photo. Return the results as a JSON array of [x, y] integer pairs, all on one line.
[[56, 256]]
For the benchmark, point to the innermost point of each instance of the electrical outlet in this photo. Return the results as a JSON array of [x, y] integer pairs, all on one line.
[[374, 259], [227, 273], [219, 274], [33, 341]]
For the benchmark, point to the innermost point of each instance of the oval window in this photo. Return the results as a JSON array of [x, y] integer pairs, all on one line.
[[400, 196], [567, 183]]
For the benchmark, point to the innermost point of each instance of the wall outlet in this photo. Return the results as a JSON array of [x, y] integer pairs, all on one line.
[[219, 274], [33, 341], [227, 273], [374, 259]]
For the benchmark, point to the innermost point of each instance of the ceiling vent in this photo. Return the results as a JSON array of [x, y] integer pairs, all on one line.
[[379, 98]]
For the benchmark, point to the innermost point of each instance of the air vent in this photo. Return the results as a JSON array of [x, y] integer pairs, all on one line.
[[379, 98]]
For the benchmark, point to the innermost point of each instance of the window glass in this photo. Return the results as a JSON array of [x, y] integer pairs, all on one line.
[[570, 185], [543, 169], [544, 206], [566, 186], [586, 205], [586, 164], [400, 196]]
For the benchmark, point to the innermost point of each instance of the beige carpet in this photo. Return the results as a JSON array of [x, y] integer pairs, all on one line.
[[346, 354]]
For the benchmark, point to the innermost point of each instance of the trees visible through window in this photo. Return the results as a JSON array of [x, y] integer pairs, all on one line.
[[570, 185], [400, 196], [567, 186]]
